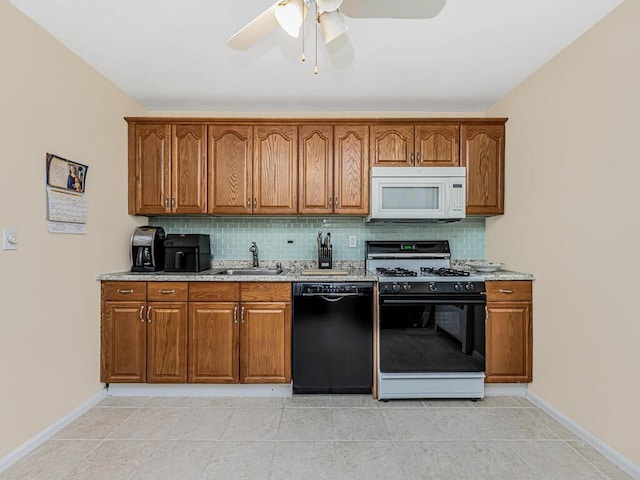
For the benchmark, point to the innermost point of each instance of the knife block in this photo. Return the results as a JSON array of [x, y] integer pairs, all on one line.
[[325, 255]]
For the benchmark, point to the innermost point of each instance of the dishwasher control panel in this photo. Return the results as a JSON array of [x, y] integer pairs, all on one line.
[[333, 288]]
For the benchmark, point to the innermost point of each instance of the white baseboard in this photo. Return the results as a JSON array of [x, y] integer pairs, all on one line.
[[37, 440], [508, 389], [199, 390], [612, 454]]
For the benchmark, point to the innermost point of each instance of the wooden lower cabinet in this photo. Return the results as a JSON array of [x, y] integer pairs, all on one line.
[[509, 332], [265, 342], [124, 342], [213, 342], [167, 342]]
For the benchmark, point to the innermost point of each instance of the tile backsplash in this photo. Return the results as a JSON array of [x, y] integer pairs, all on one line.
[[294, 238]]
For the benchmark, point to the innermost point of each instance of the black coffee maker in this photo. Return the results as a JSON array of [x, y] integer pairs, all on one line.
[[147, 249]]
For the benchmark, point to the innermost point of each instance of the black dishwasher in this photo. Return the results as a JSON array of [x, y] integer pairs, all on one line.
[[332, 349]]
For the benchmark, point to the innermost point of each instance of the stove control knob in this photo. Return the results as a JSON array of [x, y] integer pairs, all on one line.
[[458, 286], [469, 287], [433, 287], [395, 287], [406, 287]]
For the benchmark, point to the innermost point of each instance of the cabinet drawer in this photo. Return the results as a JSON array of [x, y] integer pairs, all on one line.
[[167, 291], [214, 291], [124, 291], [265, 292], [498, 291]]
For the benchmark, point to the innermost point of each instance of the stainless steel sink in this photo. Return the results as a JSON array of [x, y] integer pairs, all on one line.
[[248, 271]]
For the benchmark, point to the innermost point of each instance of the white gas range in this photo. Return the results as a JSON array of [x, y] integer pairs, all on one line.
[[431, 322]]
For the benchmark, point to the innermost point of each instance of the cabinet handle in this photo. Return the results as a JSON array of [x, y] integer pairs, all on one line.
[[413, 157], [242, 315], [166, 202], [235, 314], [173, 203], [124, 291], [255, 203], [166, 292], [503, 290], [418, 156], [330, 202], [141, 311], [148, 314], [249, 203], [336, 202]]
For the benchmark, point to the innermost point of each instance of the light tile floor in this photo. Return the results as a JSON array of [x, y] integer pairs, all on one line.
[[313, 437]]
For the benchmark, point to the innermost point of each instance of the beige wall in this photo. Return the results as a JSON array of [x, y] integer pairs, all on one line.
[[50, 101], [573, 168]]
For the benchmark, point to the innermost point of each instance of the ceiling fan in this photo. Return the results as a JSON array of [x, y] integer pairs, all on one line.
[[330, 17]]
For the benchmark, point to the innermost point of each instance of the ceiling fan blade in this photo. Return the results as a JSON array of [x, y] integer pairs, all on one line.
[[392, 8], [255, 30]]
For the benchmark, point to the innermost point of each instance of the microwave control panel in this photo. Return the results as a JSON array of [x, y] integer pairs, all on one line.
[[457, 197]]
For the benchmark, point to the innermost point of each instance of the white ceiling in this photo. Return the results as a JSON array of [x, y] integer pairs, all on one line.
[[171, 54]]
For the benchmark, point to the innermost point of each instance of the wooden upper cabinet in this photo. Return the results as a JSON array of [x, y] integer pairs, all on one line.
[[437, 146], [315, 175], [483, 156], [189, 169], [149, 173], [230, 169], [351, 172], [392, 145], [275, 169]]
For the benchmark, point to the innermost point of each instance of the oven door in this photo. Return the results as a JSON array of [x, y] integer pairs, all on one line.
[[429, 334]]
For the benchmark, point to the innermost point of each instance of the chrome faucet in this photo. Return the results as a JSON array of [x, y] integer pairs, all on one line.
[[254, 250]]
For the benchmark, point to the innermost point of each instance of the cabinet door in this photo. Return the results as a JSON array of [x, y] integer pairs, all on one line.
[[167, 342], [351, 158], [189, 169], [392, 145], [275, 169], [123, 342], [230, 169], [437, 146], [265, 342], [483, 155], [315, 189], [213, 342], [149, 157], [509, 342]]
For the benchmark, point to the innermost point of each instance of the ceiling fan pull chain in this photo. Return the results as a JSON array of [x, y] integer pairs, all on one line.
[[315, 68]]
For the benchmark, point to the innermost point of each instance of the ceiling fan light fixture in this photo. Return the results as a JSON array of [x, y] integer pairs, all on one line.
[[329, 5], [290, 15], [332, 25]]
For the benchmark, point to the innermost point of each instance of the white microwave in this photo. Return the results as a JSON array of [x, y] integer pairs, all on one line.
[[417, 194]]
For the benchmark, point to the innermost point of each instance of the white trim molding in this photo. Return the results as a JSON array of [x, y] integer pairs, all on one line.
[[38, 439], [199, 390], [605, 449], [506, 389]]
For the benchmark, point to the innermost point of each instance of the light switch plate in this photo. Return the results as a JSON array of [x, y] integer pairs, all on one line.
[[352, 241], [9, 239]]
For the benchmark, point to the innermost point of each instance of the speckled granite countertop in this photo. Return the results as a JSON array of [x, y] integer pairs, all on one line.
[[292, 273]]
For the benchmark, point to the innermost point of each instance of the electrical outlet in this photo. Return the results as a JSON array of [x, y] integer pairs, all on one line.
[[352, 241], [9, 239]]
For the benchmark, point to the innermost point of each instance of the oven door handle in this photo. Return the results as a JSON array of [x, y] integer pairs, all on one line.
[[332, 297], [429, 301]]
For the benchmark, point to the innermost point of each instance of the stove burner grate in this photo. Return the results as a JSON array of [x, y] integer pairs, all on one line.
[[396, 272], [444, 272]]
